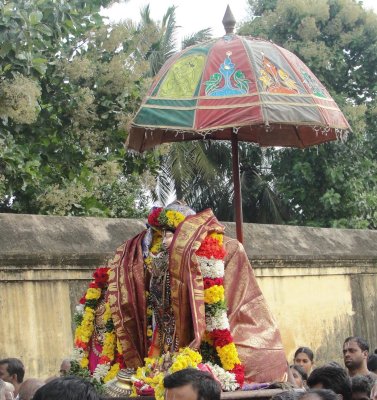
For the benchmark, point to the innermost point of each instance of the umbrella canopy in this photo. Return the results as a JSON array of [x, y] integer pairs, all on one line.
[[239, 89], [251, 84]]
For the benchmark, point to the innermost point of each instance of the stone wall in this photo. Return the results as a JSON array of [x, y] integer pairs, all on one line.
[[321, 284]]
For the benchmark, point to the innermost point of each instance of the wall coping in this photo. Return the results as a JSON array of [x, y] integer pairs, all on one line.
[[35, 240]]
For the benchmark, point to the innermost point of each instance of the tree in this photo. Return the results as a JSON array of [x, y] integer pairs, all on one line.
[[333, 185], [69, 85]]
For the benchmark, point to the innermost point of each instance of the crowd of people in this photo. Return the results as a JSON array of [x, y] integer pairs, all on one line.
[[357, 381]]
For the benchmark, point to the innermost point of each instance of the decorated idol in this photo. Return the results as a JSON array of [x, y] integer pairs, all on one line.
[[179, 294]]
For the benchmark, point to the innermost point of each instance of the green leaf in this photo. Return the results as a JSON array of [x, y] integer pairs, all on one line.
[[5, 48], [35, 17]]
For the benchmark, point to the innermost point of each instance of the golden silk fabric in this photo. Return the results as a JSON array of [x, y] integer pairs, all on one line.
[[252, 326]]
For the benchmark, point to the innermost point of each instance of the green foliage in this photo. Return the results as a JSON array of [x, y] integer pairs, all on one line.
[[85, 374], [332, 185], [202, 173], [69, 86]]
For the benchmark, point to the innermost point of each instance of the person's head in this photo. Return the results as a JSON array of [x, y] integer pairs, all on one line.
[[299, 375], [12, 370], [333, 378], [361, 387], [286, 395], [355, 353], [319, 394], [67, 388], [65, 366], [28, 388], [372, 363], [191, 384], [305, 358]]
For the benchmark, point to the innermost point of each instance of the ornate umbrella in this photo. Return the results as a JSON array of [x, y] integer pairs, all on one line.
[[236, 88]]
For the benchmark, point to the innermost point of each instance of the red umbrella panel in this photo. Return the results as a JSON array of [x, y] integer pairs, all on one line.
[[263, 90]]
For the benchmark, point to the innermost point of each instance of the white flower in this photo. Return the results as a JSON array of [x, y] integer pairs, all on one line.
[[211, 267], [101, 371], [227, 379], [217, 321], [80, 309], [77, 354]]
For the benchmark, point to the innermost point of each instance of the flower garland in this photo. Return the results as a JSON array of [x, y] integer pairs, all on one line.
[[149, 379], [110, 358], [165, 219], [210, 257]]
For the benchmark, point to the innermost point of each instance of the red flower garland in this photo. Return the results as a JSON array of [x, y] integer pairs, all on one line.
[[221, 337], [153, 216], [210, 248], [209, 282], [239, 372]]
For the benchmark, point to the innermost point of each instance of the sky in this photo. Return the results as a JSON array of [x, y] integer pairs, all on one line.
[[191, 15]]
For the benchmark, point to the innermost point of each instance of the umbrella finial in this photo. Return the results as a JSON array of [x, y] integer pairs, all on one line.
[[229, 21]]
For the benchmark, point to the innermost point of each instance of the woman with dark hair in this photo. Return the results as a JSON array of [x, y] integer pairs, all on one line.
[[305, 358], [299, 375]]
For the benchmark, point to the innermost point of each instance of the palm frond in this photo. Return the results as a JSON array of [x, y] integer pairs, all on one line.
[[145, 15], [196, 37]]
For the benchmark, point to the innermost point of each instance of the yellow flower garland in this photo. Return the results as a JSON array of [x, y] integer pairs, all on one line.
[[228, 355], [85, 330], [112, 373], [108, 348], [214, 294], [93, 294], [174, 218], [185, 358]]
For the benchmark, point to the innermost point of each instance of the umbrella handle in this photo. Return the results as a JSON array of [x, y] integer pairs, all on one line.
[[237, 186]]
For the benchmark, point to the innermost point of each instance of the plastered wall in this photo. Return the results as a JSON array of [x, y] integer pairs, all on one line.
[[320, 284]]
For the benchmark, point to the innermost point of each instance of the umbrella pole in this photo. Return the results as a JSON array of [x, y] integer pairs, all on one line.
[[237, 187]]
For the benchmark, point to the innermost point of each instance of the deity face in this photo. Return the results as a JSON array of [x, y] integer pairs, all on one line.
[[167, 237]]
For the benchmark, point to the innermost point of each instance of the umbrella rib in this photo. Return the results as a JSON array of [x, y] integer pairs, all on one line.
[[298, 136]]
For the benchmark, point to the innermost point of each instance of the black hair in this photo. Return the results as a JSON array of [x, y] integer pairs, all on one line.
[[14, 366], [324, 394], [333, 378], [372, 362], [286, 395], [67, 388], [202, 382], [300, 370], [362, 343], [362, 384], [305, 350]]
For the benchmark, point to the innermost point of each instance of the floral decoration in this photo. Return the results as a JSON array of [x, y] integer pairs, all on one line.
[[110, 358], [161, 218], [148, 380], [210, 257]]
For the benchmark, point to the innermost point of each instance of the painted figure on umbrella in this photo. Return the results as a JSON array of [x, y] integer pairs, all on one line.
[[180, 284]]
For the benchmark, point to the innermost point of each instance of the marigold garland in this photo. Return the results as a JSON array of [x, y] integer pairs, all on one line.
[[110, 359], [151, 375], [210, 257]]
